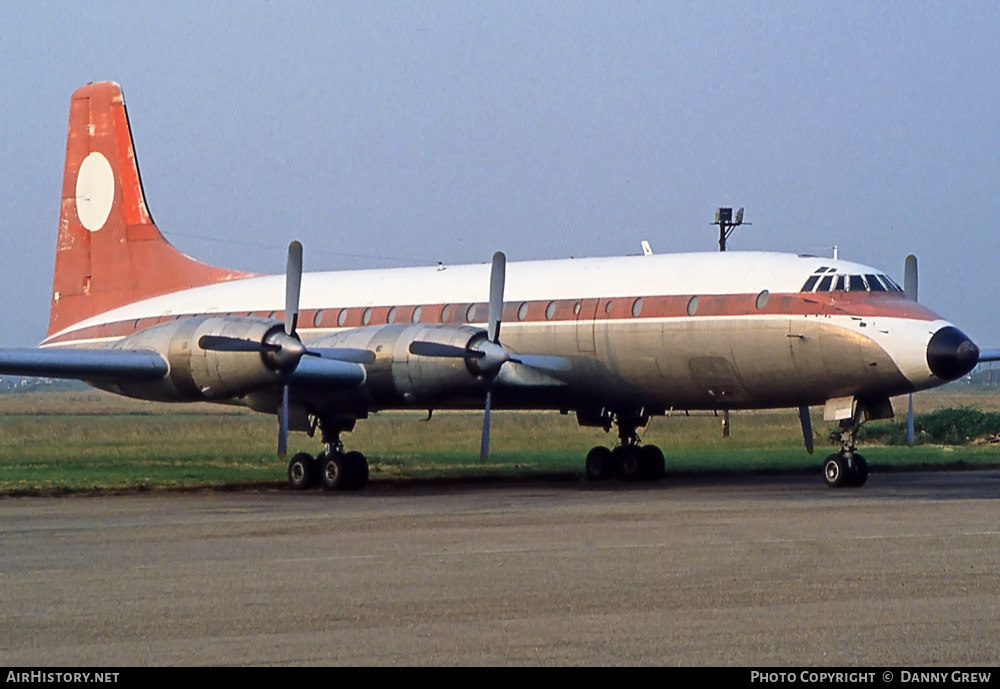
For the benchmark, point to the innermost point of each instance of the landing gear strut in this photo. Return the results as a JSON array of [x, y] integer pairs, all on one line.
[[847, 468], [333, 468], [630, 460]]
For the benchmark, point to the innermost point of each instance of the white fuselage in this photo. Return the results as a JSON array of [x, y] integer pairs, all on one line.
[[702, 330]]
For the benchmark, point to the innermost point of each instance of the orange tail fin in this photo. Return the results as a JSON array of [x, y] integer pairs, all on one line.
[[109, 252]]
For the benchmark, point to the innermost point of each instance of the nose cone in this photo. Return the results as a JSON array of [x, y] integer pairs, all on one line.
[[951, 354]]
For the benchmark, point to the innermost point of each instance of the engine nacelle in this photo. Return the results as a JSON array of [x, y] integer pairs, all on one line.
[[197, 374], [399, 378]]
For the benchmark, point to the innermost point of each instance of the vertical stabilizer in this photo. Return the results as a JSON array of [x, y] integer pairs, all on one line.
[[109, 252]]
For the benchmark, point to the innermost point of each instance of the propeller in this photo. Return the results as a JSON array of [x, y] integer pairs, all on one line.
[[910, 289], [283, 347], [488, 353], [293, 284]]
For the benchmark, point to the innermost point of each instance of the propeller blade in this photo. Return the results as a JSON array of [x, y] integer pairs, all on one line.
[[283, 424], [910, 289], [989, 355], [222, 343], [498, 276], [293, 283], [423, 348], [909, 422], [484, 445], [543, 362], [348, 354], [910, 277], [807, 434]]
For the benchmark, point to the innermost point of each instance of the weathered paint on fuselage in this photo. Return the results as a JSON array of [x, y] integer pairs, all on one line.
[[627, 326]]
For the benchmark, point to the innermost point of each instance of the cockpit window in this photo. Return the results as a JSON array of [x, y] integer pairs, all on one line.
[[822, 281], [873, 283], [890, 283]]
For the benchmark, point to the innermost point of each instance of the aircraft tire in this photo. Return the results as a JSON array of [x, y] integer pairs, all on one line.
[[836, 473], [334, 472], [302, 472], [860, 474], [653, 466], [628, 460], [600, 465], [357, 471]]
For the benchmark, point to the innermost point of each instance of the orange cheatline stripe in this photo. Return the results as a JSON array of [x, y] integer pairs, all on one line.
[[863, 305]]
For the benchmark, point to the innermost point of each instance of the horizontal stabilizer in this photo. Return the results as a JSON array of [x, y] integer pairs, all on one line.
[[84, 364]]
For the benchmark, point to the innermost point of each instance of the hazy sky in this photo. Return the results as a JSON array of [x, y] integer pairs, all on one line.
[[387, 134]]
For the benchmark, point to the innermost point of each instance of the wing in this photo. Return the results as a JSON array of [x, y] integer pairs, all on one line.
[[84, 364]]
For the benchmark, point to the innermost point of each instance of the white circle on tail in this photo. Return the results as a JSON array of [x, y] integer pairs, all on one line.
[[95, 191]]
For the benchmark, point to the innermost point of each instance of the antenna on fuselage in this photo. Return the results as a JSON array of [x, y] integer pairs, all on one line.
[[727, 223]]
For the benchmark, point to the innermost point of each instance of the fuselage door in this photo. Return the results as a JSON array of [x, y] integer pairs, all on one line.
[[586, 312]]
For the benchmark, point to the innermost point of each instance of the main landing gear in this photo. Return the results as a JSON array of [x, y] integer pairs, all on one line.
[[847, 468], [629, 461], [333, 468]]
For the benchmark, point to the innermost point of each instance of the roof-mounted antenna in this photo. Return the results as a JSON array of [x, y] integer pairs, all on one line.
[[724, 219]]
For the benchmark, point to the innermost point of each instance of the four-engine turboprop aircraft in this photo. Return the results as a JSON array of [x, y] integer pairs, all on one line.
[[613, 340]]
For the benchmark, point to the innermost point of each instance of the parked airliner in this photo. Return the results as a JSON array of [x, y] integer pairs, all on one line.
[[613, 340]]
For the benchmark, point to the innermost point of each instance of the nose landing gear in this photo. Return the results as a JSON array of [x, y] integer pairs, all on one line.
[[847, 468]]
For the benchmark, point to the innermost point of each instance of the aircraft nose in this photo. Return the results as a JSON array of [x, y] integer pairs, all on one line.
[[951, 354]]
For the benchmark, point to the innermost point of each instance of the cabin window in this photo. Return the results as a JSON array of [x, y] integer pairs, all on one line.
[[824, 284], [550, 310], [272, 314], [522, 311], [810, 283], [637, 307], [470, 314], [446, 313], [692, 308], [762, 299], [857, 284], [391, 316], [607, 307], [366, 316], [318, 318], [416, 314], [576, 308]]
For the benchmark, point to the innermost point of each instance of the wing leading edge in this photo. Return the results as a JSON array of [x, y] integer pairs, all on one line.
[[84, 364]]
